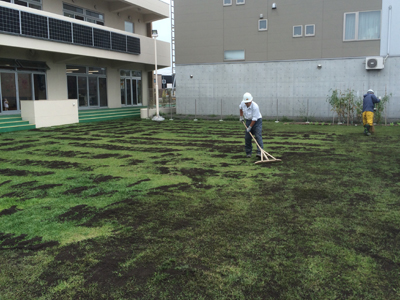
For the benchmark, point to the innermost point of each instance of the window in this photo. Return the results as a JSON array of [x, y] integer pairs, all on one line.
[[262, 25], [88, 85], [298, 31], [129, 27], [240, 2], [234, 55], [82, 14], [227, 2], [131, 87], [36, 4], [362, 26], [309, 30]]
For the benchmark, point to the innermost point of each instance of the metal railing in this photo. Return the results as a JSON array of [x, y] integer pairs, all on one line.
[[59, 29]]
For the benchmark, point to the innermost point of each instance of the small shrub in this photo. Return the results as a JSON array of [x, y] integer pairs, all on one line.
[[285, 119]]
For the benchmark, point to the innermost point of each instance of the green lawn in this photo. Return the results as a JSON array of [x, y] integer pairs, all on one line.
[[132, 209]]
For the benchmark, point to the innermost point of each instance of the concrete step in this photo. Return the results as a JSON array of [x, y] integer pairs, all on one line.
[[107, 111], [13, 123], [108, 118], [84, 116], [4, 119], [17, 128]]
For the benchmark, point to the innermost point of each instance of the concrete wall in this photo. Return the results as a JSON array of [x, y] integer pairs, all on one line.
[[46, 113], [390, 17], [292, 84], [205, 29]]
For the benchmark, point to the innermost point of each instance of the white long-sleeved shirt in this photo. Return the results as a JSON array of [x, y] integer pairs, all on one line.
[[252, 112]]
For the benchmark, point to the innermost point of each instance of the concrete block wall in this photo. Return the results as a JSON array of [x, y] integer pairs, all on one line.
[[284, 88]]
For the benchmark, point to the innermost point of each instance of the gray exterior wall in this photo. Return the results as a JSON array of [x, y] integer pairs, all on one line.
[[390, 19], [205, 29], [292, 84], [280, 71]]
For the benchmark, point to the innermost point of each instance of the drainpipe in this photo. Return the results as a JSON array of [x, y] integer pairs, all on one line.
[[388, 33]]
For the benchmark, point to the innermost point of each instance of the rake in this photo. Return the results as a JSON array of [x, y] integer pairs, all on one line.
[[265, 156]]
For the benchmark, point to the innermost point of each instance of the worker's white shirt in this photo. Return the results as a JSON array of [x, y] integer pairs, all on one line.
[[252, 112]]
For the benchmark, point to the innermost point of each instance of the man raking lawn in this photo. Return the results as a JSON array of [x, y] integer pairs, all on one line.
[[250, 112]]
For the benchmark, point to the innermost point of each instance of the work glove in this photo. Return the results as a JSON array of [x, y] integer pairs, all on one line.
[[241, 119], [248, 129]]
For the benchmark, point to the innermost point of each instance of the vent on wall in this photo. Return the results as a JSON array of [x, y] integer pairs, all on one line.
[[374, 63]]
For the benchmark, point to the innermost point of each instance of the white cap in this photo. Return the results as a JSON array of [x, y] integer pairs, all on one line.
[[247, 97], [370, 91]]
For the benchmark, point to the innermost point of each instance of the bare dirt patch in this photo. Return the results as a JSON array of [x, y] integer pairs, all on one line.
[[104, 178], [12, 210], [5, 182], [10, 242], [46, 186], [138, 182], [77, 190], [13, 172]]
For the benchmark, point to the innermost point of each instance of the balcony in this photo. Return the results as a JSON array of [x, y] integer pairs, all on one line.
[[153, 10], [58, 34]]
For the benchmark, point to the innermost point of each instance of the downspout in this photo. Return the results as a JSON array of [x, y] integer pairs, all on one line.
[[388, 33]]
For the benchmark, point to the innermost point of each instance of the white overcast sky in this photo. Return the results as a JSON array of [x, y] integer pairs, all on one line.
[[164, 34]]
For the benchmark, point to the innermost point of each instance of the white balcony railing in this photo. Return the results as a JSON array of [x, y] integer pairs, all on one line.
[[47, 26]]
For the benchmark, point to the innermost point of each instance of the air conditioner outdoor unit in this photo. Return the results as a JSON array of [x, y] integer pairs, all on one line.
[[374, 63]]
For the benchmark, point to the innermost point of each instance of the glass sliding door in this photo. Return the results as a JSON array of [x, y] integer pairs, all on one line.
[[72, 87], [103, 92], [25, 86], [134, 92], [88, 85], [21, 82], [128, 92], [93, 98], [8, 92], [83, 91], [131, 88], [39, 84], [123, 96]]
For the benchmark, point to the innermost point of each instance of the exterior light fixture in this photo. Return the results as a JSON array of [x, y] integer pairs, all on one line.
[[273, 5], [319, 66], [157, 117]]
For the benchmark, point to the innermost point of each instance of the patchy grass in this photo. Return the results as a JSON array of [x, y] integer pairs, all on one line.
[[173, 210]]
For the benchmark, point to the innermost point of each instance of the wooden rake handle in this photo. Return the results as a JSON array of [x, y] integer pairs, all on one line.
[[252, 136]]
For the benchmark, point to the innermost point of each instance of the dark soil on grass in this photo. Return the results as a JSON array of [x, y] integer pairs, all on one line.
[[12, 210], [12, 242]]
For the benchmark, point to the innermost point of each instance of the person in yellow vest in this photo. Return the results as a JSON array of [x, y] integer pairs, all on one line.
[[368, 111]]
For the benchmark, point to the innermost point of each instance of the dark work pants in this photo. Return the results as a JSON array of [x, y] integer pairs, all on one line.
[[256, 131]]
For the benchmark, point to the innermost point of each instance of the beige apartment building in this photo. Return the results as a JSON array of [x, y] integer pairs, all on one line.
[[288, 53], [99, 52]]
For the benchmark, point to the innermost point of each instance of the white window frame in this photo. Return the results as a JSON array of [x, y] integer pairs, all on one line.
[[305, 30], [240, 2], [356, 26], [30, 3], [262, 29], [240, 59], [133, 26], [228, 4], [301, 34], [85, 15]]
